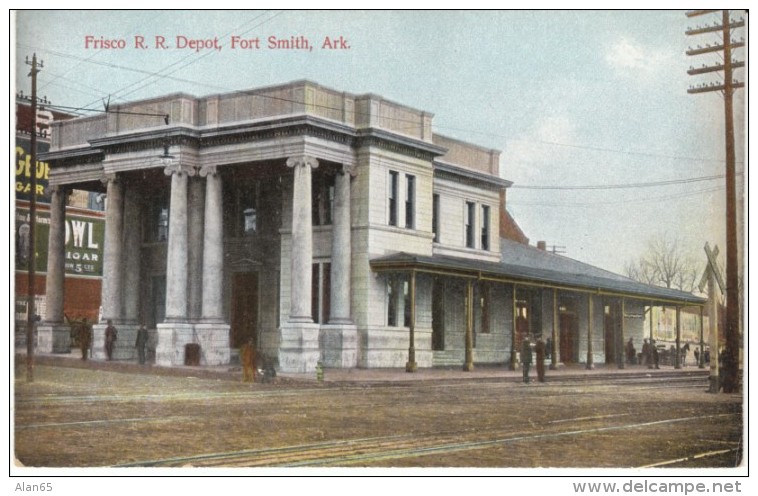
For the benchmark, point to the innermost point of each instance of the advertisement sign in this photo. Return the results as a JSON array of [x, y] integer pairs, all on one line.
[[23, 166], [85, 237]]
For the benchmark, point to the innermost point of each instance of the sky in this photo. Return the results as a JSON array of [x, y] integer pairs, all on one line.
[[571, 98]]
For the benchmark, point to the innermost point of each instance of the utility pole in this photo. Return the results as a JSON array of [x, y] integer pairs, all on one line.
[[731, 354], [31, 315]]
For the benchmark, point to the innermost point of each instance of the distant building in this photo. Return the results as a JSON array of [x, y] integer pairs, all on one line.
[[83, 229], [325, 226]]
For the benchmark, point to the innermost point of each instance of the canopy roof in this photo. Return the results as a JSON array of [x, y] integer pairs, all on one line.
[[530, 266]]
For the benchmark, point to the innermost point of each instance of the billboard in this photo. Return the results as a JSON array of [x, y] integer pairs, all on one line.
[[85, 237], [24, 170]]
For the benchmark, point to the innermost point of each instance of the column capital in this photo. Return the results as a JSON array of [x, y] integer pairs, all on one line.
[[51, 189], [348, 169], [207, 170], [179, 169], [302, 161], [110, 177]]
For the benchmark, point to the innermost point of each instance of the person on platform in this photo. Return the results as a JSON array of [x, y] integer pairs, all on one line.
[[630, 352], [247, 357], [540, 351], [526, 357], [141, 343], [548, 347], [654, 352], [646, 354], [85, 338], [111, 335]]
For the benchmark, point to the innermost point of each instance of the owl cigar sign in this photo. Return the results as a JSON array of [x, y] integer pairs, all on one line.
[[84, 243]]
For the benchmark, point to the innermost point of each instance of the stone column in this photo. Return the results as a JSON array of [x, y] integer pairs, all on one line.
[[302, 239], [340, 335], [177, 263], [53, 335], [213, 247], [112, 251], [299, 345], [341, 252], [132, 243], [56, 257], [175, 332], [132, 246], [111, 300], [195, 248], [211, 330]]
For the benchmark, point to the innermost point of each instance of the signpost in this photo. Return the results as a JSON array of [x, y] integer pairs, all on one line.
[[711, 277]]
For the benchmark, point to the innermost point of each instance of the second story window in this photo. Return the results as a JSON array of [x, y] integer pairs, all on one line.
[[323, 199], [156, 218], [162, 224], [485, 241], [470, 223], [410, 200], [392, 197], [248, 198], [436, 217]]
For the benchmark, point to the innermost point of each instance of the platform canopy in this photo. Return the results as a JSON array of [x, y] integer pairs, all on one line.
[[529, 266]]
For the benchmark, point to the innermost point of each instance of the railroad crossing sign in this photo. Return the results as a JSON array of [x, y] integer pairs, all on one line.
[[712, 266], [711, 277]]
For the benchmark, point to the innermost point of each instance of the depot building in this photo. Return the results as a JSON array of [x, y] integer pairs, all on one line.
[[323, 226]]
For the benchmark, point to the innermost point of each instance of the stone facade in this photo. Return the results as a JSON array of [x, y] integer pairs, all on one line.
[[262, 218]]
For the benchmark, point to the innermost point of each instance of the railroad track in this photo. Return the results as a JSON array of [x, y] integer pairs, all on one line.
[[371, 450]]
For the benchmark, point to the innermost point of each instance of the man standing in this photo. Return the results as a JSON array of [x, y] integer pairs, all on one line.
[[247, 357], [141, 343], [539, 350], [111, 335], [526, 357], [646, 354], [84, 337]]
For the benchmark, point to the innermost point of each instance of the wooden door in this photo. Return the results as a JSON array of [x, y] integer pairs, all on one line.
[[244, 308]]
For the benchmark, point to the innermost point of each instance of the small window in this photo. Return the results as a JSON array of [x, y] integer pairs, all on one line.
[[162, 224], [484, 303], [320, 292], [436, 217], [391, 303], [248, 204], [406, 304], [392, 197], [470, 221], [410, 199], [485, 227], [323, 199]]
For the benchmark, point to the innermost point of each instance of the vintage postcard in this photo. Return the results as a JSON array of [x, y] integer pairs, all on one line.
[[426, 242]]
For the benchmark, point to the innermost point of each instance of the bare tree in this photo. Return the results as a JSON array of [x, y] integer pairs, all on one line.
[[664, 263]]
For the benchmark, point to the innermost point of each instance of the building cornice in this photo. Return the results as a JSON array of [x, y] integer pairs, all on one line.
[[268, 130], [444, 170]]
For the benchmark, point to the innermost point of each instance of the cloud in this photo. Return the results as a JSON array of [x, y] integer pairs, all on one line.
[[626, 56]]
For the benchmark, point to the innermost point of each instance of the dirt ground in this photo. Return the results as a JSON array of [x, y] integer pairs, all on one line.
[[88, 418]]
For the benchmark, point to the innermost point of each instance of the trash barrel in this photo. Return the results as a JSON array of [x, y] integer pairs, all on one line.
[[192, 354]]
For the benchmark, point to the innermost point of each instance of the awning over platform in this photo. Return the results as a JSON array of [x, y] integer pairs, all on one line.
[[526, 265]]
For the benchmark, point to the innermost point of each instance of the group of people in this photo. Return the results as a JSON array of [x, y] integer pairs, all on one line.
[[83, 333]]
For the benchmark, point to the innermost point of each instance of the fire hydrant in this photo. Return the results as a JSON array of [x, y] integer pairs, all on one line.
[[319, 371]]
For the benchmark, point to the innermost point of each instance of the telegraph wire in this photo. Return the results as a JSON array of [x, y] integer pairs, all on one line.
[[622, 186], [616, 202], [159, 75], [216, 87]]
